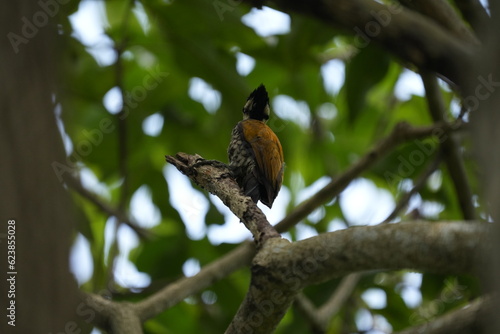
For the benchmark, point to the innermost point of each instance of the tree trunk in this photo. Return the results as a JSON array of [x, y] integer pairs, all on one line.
[[41, 291]]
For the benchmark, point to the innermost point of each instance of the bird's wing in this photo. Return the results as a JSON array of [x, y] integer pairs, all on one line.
[[268, 154]]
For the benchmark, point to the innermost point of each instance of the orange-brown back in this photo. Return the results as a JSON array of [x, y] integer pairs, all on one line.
[[268, 155]]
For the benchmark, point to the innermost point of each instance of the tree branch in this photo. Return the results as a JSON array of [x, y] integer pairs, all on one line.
[[214, 176], [320, 317], [187, 286], [451, 148], [443, 247], [401, 133], [77, 186], [309, 312], [419, 183], [445, 15], [339, 298], [467, 320], [269, 295], [115, 317], [281, 269], [410, 35], [106, 313], [475, 14]]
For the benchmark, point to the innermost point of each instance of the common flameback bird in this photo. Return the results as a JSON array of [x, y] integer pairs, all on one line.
[[255, 153]]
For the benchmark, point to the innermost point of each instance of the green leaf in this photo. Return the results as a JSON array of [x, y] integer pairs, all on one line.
[[163, 257], [362, 73]]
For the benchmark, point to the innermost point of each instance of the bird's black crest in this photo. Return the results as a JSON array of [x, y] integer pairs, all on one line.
[[257, 106]]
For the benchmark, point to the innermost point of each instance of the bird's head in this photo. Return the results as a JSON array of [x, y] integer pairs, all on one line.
[[257, 105]]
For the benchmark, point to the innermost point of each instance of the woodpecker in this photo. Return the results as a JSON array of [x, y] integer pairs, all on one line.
[[255, 152]]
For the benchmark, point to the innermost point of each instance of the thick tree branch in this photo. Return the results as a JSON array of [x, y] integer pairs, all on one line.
[[475, 14], [410, 35], [215, 177], [281, 269], [444, 247], [269, 295], [445, 15]]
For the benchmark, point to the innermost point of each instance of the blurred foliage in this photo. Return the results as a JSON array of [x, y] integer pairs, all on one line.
[[160, 52]]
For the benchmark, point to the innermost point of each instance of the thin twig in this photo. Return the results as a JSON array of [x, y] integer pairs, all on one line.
[[76, 185], [341, 295], [405, 199], [401, 133], [467, 320], [451, 148], [309, 312]]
